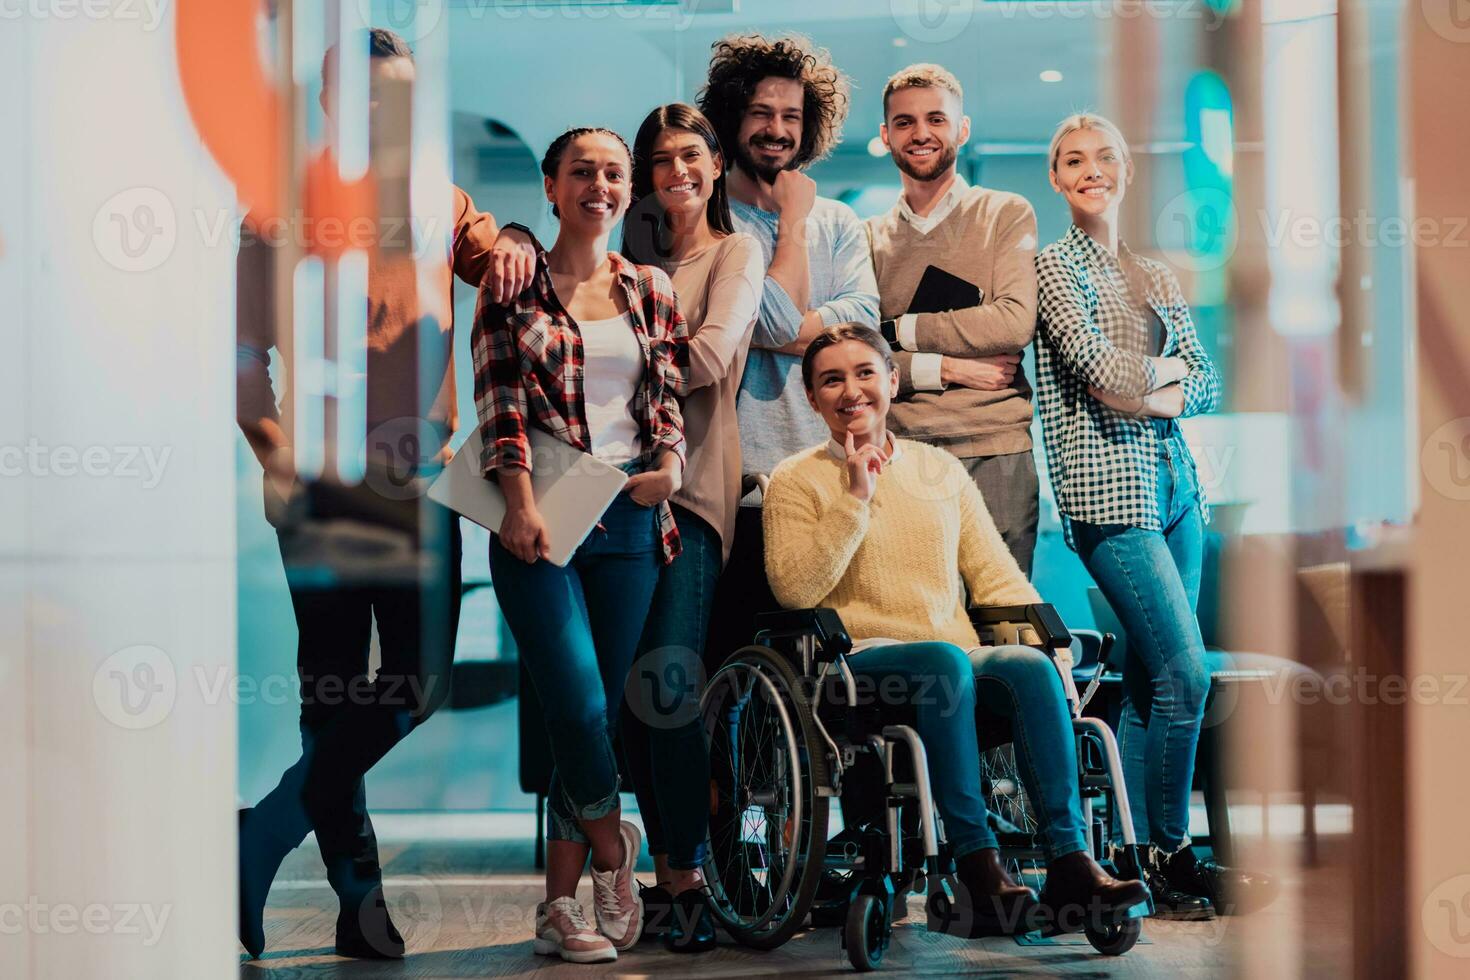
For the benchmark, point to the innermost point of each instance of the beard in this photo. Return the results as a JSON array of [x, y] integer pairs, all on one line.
[[766, 173], [942, 162]]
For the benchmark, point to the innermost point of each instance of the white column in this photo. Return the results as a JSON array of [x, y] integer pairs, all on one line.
[[117, 579]]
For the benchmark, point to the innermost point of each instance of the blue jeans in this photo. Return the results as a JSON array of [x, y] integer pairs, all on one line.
[[944, 686], [577, 629], [663, 733], [1151, 579]]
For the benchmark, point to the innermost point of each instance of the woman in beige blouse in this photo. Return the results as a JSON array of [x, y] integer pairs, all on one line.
[[681, 221]]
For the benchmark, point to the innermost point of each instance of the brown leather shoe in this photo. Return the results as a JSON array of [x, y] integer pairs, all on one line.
[[990, 902], [1078, 892]]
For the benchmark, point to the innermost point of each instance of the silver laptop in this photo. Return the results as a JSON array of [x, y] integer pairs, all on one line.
[[572, 489]]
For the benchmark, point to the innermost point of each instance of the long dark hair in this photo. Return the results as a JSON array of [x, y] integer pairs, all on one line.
[[645, 229]]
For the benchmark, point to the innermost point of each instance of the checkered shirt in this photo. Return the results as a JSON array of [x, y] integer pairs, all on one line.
[[1103, 463], [528, 371]]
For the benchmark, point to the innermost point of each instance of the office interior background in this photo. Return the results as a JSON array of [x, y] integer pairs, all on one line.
[[1299, 168]]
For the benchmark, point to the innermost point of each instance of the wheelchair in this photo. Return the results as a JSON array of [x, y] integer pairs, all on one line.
[[785, 727]]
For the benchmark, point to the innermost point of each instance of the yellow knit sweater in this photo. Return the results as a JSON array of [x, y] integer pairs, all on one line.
[[898, 565]]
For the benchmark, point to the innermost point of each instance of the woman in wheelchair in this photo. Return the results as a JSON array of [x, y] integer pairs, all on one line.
[[892, 533]]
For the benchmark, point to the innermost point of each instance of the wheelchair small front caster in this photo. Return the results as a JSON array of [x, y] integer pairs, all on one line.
[[867, 933], [1115, 938]]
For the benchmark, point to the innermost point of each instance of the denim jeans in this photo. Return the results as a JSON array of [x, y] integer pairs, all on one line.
[[663, 733], [1151, 579], [577, 629], [944, 686]]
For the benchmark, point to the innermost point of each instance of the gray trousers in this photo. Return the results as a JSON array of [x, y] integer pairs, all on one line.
[[1010, 488]]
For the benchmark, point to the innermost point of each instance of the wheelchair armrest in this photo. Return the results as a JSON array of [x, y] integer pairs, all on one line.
[[1040, 616], [823, 623]]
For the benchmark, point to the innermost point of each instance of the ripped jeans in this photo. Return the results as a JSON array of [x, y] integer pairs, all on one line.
[[577, 629]]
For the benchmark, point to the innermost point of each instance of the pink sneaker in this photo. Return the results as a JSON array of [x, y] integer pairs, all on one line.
[[562, 930], [619, 910]]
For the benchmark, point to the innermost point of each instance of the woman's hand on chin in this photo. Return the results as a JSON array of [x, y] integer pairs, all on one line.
[[863, 467]]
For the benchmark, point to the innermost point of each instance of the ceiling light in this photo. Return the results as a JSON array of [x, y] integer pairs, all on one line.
[[900, 42], [876, 147], [1051, 75]]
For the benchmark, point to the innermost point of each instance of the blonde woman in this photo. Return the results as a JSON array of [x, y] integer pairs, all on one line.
[[1118, 364]]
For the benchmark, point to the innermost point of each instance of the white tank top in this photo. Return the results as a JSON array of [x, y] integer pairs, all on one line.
[[612, 372]]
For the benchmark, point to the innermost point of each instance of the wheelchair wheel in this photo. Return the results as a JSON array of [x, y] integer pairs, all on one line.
[[866, 933], [1011, 812], [1116, 938], [768, 824]]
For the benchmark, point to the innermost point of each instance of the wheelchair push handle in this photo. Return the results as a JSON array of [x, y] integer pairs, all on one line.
[[1040, 616]]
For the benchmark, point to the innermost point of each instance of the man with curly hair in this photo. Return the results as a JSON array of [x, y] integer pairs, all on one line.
[[778, 106]]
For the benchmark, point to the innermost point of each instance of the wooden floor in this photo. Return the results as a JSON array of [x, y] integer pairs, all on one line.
[[466, 909]]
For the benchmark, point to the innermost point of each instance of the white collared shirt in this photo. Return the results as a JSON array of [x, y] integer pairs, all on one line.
[[925, 223], [839, 451], [924, 369]]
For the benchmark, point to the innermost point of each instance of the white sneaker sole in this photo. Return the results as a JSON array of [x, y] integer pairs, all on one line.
[[549, 947]]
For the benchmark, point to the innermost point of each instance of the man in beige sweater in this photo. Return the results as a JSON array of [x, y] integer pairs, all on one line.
[[958, 339]]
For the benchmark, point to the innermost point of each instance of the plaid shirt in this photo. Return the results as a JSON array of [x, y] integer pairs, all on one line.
[[1103, 463], [529, 370]]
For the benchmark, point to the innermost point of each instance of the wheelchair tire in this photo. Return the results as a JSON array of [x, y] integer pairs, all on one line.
[[773, 797], [1116, 938], [866, 933]]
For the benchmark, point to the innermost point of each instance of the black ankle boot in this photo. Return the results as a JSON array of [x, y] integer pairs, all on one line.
[[1231, 891], [657, 910], [1170, 902], [691, 923], [365, 931], [994, 903]]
